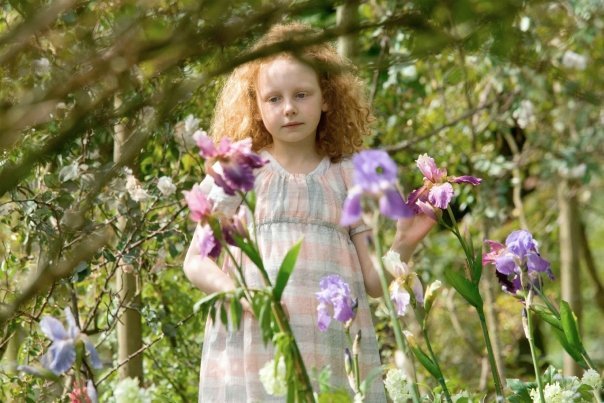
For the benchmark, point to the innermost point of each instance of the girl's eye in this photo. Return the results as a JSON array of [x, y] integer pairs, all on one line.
[[301, 95], [273, 100]]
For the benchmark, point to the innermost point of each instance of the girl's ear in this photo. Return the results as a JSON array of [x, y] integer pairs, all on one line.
[[325, 106]]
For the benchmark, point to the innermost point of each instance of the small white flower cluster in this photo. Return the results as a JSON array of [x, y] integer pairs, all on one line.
[[398, 386], [274, 381], [134, 188], [567, 389], [524, 114], [187, 131], [128, 391], [166, 186], [573, 60]]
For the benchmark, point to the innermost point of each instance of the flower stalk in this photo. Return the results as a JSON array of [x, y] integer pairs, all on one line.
[[527, 323], [396, 327]]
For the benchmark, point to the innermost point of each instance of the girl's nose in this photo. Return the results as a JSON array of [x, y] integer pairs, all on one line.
[[290, 108]]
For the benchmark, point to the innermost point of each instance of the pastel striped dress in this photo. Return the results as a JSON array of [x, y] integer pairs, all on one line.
[[289, 207]]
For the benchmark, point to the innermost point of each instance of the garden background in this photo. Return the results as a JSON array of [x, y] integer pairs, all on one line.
[[100, 99]]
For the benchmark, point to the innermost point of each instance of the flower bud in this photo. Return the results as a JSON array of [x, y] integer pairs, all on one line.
[[431, 293], [410, 338], [356, 344]]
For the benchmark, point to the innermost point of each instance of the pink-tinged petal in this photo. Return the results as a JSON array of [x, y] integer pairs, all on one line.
[[418, 290], [351, 211], [323, 318], [440, 195], [496, 249], [400, 297], [198, 203], [393, 206], [472, 180], [428, 168], [206, 242], [53, 328], [427, 209], [206, 146]]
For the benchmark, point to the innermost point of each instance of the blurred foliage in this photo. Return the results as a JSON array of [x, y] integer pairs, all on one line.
[[510, 91]]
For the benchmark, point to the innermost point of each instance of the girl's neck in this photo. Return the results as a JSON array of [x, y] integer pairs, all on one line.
[[295, 160]]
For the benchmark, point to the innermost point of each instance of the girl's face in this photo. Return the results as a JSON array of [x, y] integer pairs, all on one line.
[[290, 101]]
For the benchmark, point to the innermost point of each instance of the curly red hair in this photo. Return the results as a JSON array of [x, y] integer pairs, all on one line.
[[342, 127]]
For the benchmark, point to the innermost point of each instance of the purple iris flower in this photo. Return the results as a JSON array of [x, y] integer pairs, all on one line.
[[207, 243], [62, 352], [335, 293], [374, 176], [437, 191], [237, 162], [520, 253]]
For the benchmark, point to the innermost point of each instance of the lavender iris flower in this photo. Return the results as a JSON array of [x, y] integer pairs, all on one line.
[[437, 191], [207, 243], [62, 352], [237, 162], [374, 176], [520, 253], [335, 293]]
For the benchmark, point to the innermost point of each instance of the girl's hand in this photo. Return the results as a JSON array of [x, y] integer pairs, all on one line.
[[409, 232]]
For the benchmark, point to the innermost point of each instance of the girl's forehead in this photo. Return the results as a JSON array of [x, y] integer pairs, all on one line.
[[285, 65]]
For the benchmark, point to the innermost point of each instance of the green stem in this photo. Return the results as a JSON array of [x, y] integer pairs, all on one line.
[[529, 336], [441, 379], [398, 334], [299, 367], [491, 355]]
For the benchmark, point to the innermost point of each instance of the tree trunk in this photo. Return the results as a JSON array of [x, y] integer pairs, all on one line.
[[129, 322], [569, 256], [348, 16]]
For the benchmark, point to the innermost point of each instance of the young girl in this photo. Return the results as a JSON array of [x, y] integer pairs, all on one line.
[[306, 121]]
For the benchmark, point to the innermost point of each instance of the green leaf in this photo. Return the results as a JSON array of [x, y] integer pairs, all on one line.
[[570, 326], [521, 390], [544, 314], [236, 311], [477, 267], [570, 349], [466, 288], [426, 362], [286, 269], [250, 251]]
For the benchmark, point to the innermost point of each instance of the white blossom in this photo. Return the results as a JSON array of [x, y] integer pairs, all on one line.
[[165, 185], [274, 381], [574, 60], [524, 114], [398, 386], [592, 378], [69, 172], [525, 23], [135, 190], [41, 66], [187, 130], [128, 391], [553, 393]]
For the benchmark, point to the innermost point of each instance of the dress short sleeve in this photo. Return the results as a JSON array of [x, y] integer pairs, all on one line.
[[347, 174]]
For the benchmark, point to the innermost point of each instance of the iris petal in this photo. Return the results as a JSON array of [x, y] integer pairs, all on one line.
[[351, 211], [440, 195], [53, 328], [393, 206]]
